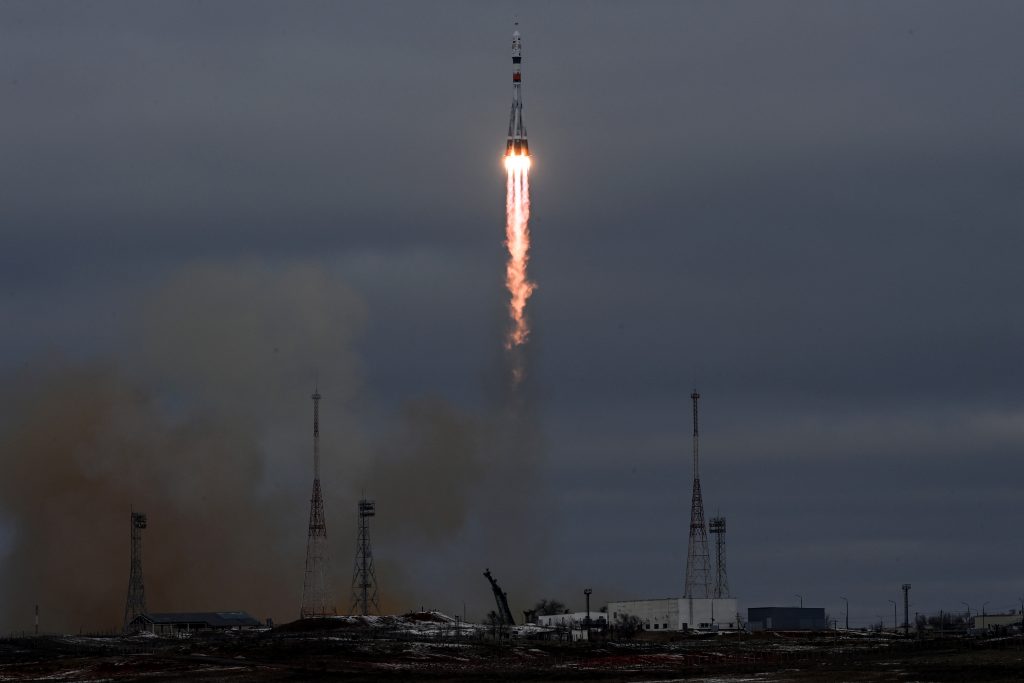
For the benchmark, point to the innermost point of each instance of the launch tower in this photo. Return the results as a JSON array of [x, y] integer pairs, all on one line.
[[136, 603], [698, 562], [316, 601], [364, 578]]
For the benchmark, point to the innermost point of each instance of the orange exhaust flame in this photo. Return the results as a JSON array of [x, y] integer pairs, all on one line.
[[517, 239]]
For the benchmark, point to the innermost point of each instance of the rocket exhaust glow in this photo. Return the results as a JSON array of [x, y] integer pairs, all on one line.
[[517, 217]]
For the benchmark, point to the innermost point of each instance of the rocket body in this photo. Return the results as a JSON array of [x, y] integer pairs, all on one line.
[[516, 144]]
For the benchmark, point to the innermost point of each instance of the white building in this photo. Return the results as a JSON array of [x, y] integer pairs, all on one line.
[[678, 614]]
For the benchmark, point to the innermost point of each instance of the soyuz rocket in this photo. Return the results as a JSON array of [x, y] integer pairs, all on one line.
[[517, 144]]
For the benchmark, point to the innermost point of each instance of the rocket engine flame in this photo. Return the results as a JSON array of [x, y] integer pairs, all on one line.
[[517, 239]]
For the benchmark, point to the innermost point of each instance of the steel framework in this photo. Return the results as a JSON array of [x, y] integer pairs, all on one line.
[[316, 598], [716, 526], [136, 603], [698, 561], [364, 578]]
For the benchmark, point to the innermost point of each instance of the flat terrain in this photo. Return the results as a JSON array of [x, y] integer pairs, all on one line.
[[370, 654]]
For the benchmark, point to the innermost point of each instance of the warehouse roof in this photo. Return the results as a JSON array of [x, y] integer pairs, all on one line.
[[212, 619]]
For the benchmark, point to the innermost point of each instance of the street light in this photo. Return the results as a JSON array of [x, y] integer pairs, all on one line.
[[968, 610], [801, 599], [894, 626], [848, 611], [984, 620], [587, 593]]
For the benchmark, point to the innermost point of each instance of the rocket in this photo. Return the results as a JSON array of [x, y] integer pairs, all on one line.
[[517, 144]]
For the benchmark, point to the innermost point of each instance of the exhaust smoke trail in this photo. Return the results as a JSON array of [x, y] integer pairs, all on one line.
[[517, 239]]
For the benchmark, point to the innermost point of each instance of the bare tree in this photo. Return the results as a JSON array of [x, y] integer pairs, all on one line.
[[549, 606]]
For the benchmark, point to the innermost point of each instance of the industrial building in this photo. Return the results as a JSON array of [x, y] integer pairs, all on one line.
[[178, 623], [786, 619], [678, 614]]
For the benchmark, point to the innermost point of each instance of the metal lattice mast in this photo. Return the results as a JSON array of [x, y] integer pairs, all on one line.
[[364, 579], [698, 561], [316, 599], [716, 526], [136, 603]]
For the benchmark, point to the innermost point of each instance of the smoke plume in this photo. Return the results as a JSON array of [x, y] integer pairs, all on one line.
[[205, 425]]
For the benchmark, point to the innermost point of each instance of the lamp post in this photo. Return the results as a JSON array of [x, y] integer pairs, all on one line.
[[801, 599], [984, 615], [587, 593], [848, 611], [894, 626], [968, 610]]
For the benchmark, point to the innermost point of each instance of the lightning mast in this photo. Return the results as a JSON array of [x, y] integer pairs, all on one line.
[[698, 562], [136, 603], [716, 526], [316, 600], [364, 578]]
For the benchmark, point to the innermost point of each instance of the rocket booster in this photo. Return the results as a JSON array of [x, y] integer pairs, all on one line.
[[516, 143]]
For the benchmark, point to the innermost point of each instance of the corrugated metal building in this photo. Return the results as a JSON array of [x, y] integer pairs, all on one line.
[[786, 619], [175, 623]]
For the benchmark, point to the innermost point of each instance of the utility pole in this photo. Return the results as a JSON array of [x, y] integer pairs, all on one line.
[[895, 628], [587, 592], [847, 612], [801, 599], [906, 609]]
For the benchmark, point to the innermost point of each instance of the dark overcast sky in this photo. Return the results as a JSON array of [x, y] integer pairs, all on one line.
[[814, 207]]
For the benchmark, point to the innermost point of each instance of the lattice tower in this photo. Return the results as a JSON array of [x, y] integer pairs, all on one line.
[[698, 561], [716, 526], [316, 597], [364, 578], [136, 603]]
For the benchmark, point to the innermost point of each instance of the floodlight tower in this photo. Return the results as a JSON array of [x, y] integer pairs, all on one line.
[[136, 603], [716, 526], [698, 561], [316, 601], [364, 578]]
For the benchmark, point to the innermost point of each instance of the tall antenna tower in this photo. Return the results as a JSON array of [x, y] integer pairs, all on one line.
[[316, 601], [364, 579], [716, 526], [136, 603], [698, 562]]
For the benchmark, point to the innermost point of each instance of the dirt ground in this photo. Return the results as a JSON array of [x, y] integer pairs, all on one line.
[[358, 656]]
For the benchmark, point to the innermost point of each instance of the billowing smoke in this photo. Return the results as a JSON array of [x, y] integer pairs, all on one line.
[[205, 426]]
